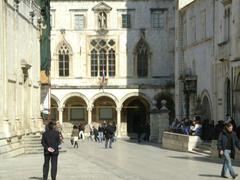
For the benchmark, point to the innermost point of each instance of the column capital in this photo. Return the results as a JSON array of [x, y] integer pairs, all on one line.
[[119, 108], [89, 109], [60, 109]]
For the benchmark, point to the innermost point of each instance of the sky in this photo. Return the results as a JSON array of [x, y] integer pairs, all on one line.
[[183, 3]]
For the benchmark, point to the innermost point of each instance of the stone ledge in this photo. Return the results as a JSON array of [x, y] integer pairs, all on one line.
[[179, 142]]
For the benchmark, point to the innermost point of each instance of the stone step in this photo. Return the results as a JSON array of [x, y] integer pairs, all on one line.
[[40, 151], [201, 151]]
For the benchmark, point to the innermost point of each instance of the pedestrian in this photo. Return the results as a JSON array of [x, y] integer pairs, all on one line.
[[81, 132], [50, 142], [95, 133], [100, 133], [226, 146], [109, 133], [75, 134]]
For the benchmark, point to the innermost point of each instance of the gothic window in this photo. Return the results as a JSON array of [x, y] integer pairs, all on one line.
[[111, 62], [94, 63], [142, 58], [102, 62], [63, 60], [103, 57]]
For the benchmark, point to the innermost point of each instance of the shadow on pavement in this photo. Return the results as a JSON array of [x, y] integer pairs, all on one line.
[[210, 175], [145, 143], [204, 159], [39, 178]]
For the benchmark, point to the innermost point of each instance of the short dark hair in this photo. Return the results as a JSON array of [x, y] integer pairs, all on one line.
[[50, 125]]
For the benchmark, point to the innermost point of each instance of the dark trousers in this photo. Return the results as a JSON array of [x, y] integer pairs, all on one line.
[[54, 159], [108, 141]]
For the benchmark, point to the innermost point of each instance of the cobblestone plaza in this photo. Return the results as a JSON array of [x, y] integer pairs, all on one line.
[[127, 160]]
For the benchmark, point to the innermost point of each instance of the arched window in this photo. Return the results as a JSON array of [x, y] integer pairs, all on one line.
[[142, 63], [63, 60], [111, 62], [102, 62], [142, 58], [94, 63], [103, 57]]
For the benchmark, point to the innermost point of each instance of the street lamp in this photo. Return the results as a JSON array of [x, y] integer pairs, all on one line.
[[189, 87]]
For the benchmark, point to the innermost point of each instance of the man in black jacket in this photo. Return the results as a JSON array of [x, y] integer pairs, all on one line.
[[109, 133], [50, 143], [226, 146]]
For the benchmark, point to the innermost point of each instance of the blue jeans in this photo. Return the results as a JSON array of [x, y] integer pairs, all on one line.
[[227, 163]]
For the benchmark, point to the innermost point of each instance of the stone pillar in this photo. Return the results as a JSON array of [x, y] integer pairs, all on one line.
[[163, 121], [60, 115], [154, 124], [89, 115], [118, 121]]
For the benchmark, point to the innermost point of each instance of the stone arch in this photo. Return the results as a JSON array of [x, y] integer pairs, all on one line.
[[72, 94], [237, 82], [135, 114], [63, 42], [227, 97], [133, 94], [114, 98], [206, 104], [55, 98], [236, 99]]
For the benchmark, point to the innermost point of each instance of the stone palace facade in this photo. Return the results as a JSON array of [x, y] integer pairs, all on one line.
[[111, 60]]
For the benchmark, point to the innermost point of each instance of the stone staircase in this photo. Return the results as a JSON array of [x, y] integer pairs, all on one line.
[[32, 144], [203, 149]]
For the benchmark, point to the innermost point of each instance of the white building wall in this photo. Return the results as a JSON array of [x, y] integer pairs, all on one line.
[[20, 107]]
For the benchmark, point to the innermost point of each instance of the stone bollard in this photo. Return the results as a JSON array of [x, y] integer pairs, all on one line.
[[163, 120]]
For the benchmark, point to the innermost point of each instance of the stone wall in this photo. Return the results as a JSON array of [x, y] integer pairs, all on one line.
[[179, 142]]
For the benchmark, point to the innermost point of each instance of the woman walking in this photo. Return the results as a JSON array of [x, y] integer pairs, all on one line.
[[75, 133]]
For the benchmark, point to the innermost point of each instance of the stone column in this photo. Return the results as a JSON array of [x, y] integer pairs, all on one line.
[[118, 109], [154, 124], [89, 115], [163, 121], [60, 115]]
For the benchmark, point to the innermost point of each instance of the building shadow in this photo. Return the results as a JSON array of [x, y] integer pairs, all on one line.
[[142, 143], [204, 159]]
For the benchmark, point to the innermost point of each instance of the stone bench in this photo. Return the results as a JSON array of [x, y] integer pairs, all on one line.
[[179, 142]]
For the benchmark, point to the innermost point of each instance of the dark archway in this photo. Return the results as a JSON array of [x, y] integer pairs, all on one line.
[[206, 108], [136, 114]]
